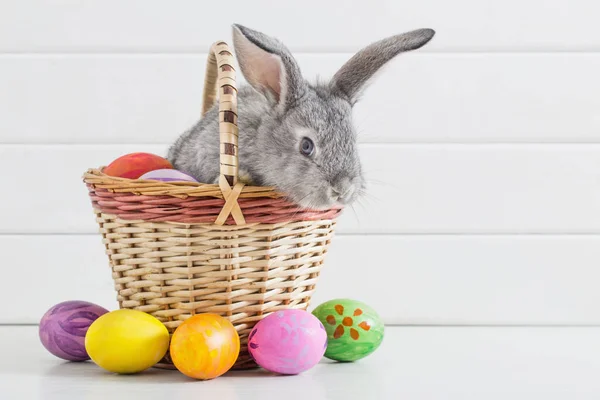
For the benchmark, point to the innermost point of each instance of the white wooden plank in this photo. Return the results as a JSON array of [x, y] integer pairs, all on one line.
[[408, 279], [412, 188], [154, 25], [419, 98]]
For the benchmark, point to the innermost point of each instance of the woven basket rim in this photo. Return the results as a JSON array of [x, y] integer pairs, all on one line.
[[182, 189]]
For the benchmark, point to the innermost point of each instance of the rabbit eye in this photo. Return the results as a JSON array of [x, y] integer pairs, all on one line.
[[307, 147]]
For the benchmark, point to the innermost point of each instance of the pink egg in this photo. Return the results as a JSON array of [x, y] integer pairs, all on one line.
[[288, 342], [167, 175]]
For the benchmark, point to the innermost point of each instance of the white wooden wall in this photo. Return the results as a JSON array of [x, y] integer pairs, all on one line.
[[490, 216]]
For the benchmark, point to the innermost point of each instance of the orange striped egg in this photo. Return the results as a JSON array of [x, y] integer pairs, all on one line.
[[205, 346]]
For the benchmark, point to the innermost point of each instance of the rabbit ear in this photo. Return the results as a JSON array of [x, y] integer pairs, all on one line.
[[352, 78], [268, 66]]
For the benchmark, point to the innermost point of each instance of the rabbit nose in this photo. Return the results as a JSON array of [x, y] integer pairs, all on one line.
[[343, 192]]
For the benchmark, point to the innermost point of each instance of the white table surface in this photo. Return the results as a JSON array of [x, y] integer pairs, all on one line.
[[413, 363]]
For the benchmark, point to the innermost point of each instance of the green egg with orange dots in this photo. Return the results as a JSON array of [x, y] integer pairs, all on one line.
[[354, 330]]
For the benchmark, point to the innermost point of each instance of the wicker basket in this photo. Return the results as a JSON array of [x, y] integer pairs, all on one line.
[[177, 249]]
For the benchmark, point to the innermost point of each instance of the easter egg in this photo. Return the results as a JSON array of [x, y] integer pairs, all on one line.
[[127, 341], [205, 346], [288, 342], [63, 327], [134, 165], [354, 330], [167, 175]]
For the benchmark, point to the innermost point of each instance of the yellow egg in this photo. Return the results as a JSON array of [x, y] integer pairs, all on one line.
[[126, 341]]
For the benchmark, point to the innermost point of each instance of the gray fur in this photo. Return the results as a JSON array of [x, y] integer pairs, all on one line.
[[296, 84], [272, 127], [352, 78]]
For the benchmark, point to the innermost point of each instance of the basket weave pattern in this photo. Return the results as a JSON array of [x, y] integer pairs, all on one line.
[[177, 249], [173, 271], [191, 203]]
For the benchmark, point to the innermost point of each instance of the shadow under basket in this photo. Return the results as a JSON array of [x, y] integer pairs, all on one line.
[[177, 249]]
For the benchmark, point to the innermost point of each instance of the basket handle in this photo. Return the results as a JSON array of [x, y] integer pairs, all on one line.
[[220, 79]]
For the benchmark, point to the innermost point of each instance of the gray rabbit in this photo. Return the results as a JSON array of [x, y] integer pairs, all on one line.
[[294, 135]]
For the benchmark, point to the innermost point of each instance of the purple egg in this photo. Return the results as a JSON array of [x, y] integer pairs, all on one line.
[[288, 342], [63, 328], [167, 175]]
